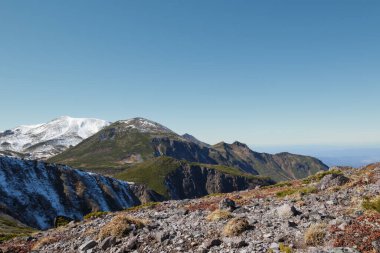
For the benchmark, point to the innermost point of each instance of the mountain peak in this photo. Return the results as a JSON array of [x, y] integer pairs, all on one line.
[[240, 144], [145, 125], [191, 138]]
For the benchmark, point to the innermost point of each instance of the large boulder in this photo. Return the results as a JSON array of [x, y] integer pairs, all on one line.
[[332, 180], [227, 204], [287, 211]]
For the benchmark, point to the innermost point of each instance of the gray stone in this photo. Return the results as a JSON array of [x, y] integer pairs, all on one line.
[[227, 204], [274, 245], [131, 244], [162, 236], [342, 250], [291, 224], [208, 244], [87, 245], [287, 211], [107, 243], [376, 245]]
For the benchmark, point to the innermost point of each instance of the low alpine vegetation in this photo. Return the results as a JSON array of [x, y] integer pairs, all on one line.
[[236, 226], [302, 191], [94, 215], [142, 206], [219, 215], [121, 225], [372, 204], [315, 234]]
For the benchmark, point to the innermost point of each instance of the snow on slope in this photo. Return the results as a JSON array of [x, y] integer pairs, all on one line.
[[35, 192], [145, 125], [45, 140]]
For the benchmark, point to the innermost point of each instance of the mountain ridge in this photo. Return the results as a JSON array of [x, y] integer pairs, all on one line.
[[124, 143]]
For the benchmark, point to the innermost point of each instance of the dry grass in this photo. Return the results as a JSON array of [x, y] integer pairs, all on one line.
[[120, 226], [315, 234], [44, 241], [219, 215], [235, 227]]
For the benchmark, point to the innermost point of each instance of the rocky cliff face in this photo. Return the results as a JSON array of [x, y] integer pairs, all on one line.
[[192, 181], [35, 192]]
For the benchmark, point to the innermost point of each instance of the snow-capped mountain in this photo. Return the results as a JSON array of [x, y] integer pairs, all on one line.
[[45, 140]]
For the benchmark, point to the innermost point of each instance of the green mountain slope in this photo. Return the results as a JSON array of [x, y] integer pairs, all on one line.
[[126, 143], [158, 172], [9, 228]]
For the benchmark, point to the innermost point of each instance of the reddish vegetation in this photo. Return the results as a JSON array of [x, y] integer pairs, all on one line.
[[361, 232], [15, 246], [210, 205]]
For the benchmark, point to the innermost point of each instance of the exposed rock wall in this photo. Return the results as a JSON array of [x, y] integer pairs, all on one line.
[[35, 192], [192, 181]]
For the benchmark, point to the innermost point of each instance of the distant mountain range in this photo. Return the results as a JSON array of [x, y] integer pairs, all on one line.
[[139, 149], [126, 143], [333, 155]]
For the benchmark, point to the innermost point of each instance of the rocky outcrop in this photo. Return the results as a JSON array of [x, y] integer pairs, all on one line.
[[144, 194], [35, 192], [332, 180], [183, 150], [192, 181]]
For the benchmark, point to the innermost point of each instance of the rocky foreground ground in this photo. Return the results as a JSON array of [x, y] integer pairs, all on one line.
[[334, 211]]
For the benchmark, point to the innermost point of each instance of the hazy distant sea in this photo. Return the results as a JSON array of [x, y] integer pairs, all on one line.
[[331, 155]]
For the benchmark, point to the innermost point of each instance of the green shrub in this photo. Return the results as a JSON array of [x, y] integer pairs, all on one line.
[[146, 205], [286, 192], [94, 215], [278, 185], [284, 248], [307, 190], [6, 237], [303, 191], [61, 221], [372, 204]]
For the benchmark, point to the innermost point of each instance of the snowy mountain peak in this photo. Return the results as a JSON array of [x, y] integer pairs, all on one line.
[[45, 140], [145, 125]]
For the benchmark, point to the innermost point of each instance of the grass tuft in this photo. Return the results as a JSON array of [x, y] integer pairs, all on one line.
[[94, 215], [315, 234], [372, 204], [284, 248], [121, 225], [235, 227], [219, 215]]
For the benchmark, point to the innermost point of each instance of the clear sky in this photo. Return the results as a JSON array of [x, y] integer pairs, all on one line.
[[267, 72]]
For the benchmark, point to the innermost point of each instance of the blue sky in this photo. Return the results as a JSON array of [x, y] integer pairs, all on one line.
[[262, 72]]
